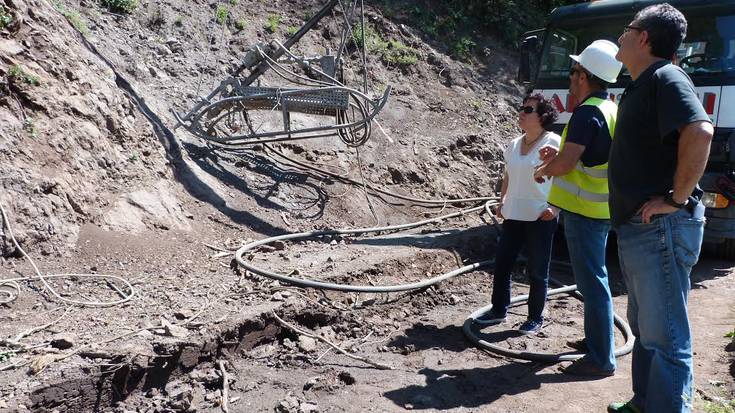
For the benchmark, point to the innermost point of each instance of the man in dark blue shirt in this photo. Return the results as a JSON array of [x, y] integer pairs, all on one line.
[[659, 151]]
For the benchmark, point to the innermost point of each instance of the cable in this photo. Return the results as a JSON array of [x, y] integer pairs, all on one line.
[[13, 282], [467, 326], [442, 202]]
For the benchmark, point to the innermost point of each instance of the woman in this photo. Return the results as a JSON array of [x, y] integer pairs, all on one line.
[[528, 218]]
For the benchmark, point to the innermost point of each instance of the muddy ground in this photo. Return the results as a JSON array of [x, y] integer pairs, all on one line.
[[95, 180]]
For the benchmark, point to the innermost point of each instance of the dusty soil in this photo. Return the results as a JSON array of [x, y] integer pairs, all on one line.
[[95, 180]]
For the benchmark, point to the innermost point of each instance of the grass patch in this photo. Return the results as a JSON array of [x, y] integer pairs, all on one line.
[[233, 2], [398, 54], [291, 30], [18, 74], [240, 24], [392, 52], [221, 14], [272, 23], [120, 6], [719, 407], [5, 17], [73, 17], [179, 21]]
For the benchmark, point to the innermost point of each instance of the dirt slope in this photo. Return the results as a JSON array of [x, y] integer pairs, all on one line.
[[95, 180]]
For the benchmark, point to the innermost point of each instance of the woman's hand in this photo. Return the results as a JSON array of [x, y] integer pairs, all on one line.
[[548, 214], [498, 211]]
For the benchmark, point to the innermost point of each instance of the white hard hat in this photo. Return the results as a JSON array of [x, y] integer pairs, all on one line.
[[599, 59]]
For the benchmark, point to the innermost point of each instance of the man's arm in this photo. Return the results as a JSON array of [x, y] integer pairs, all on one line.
[[694, 145], [693, 148]]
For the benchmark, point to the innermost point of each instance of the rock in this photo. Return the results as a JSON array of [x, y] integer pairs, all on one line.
[[311, 383], [307, 344], [308, 407], [277, 296], [278, 245], [172, 330], [63, 341], [288, 405], [346, 378]]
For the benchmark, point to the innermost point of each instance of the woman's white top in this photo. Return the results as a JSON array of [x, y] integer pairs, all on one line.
[[525, 199]]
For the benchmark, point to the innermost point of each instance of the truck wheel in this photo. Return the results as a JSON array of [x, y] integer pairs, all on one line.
[[726, 249]]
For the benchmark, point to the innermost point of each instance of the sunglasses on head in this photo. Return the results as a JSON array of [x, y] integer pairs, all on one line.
[[526, 109]]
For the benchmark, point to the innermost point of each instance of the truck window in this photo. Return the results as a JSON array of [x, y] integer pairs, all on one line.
[[555, 60], [709, 47]]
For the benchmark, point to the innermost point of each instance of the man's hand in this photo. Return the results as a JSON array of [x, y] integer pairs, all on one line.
[[655, 206], [547, 154], [548, 214], [539, 175]]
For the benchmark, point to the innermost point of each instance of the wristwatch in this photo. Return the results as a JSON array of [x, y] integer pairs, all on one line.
[[669, 199]]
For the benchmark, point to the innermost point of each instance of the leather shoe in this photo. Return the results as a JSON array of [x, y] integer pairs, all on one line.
[[584, 367], [579, 345]]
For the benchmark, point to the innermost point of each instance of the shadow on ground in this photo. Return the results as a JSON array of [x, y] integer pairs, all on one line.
[[473, 388]]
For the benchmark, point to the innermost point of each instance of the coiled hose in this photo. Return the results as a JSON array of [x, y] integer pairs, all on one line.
[[309, 282]]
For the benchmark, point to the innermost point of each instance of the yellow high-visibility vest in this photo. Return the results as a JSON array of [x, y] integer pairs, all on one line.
[[584, 190]]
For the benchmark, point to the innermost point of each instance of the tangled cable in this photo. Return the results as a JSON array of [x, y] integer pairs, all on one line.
[[10, 289]]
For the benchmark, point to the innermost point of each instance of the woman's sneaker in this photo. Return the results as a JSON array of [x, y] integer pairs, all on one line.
[[490, 318], [531, 327]]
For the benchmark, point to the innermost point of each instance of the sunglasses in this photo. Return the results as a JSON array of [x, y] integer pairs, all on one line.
[[526, 109], [636, 28]]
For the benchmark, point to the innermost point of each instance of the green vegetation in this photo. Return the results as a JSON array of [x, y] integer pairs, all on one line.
[[73, 17], [291, 30], [719, 407], [271, 24], [18, 74], [221, 14], [240, 24], [398, 54], [30, 127], [461, 24], [392, 52], [233, 2], [462, 48], [5, 17], [120, 6], [6, 355], [179, 21], [133, 157]]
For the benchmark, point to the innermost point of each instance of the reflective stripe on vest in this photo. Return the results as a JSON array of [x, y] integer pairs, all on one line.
[[584, 190]]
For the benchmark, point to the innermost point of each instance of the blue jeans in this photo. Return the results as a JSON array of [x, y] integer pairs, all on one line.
[[537, 236], [656, 260], [586, 241]]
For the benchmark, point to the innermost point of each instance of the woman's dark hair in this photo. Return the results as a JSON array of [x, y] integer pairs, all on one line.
[[546, 111], [666, 28]]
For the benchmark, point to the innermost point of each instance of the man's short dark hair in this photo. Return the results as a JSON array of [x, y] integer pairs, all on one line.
[[666, 28], [594, 80], [545, 109]]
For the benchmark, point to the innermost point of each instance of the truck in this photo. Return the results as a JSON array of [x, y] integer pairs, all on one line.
[[707, 55]]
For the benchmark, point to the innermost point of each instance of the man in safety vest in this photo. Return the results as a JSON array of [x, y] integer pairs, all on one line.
[[580, 190]]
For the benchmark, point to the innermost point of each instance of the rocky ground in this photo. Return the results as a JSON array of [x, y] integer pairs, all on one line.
[[96, 181]]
